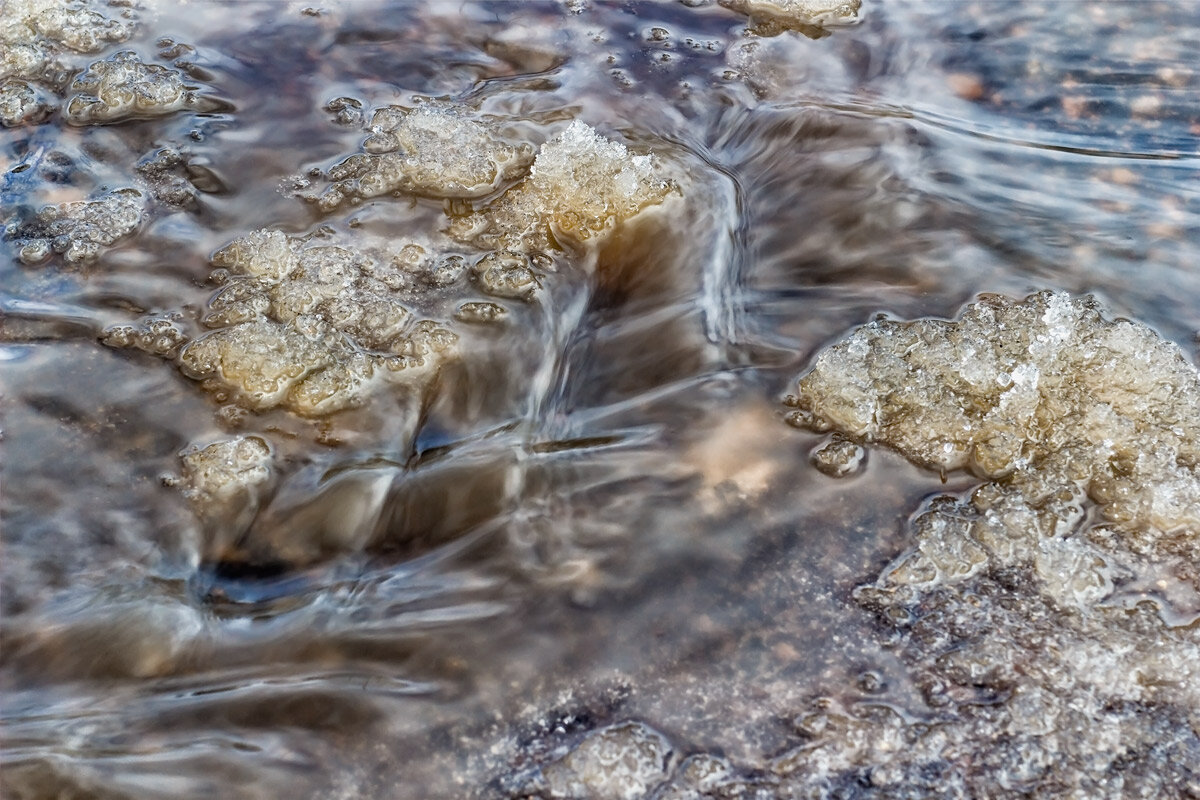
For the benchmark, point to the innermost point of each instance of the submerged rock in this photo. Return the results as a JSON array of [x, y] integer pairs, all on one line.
[[621, 762]]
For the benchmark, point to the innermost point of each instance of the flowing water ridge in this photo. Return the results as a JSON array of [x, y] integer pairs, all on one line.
[[397, 399]]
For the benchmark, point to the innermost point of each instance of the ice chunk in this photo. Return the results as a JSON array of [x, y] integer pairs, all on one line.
[[1082, 419], [432, 151], [581, 185], [123, 87], [82, 229], [810, 17], [225, 482], [1078, 402], [315, 328], [217, 473]]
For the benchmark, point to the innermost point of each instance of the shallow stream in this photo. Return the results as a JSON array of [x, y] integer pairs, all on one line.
[[572, 546]]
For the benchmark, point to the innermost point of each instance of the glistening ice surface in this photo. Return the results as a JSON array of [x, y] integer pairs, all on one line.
[[735, 399]]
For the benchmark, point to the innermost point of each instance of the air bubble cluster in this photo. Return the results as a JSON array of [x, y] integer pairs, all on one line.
[[80, 231], [581, 185], [159, 336], [313, 327], [123, 87], [432, 151]]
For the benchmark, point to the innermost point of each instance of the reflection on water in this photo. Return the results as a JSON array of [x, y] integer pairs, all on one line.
[[567, 546]]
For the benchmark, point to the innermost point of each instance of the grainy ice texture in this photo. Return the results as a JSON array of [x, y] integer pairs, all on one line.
[[620, 762], [432, 151], [122, 87], [580, 186], [314, 328], [81, 230]]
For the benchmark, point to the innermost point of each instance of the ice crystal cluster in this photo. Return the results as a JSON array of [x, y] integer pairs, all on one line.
[[1044, 396], [312, 328], [35, 36], [123, 87], [432, 151], [1048, 616], [80, 230], [581, 185]]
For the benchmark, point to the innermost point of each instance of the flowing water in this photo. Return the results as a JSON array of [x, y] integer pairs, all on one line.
[[577, 551]]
